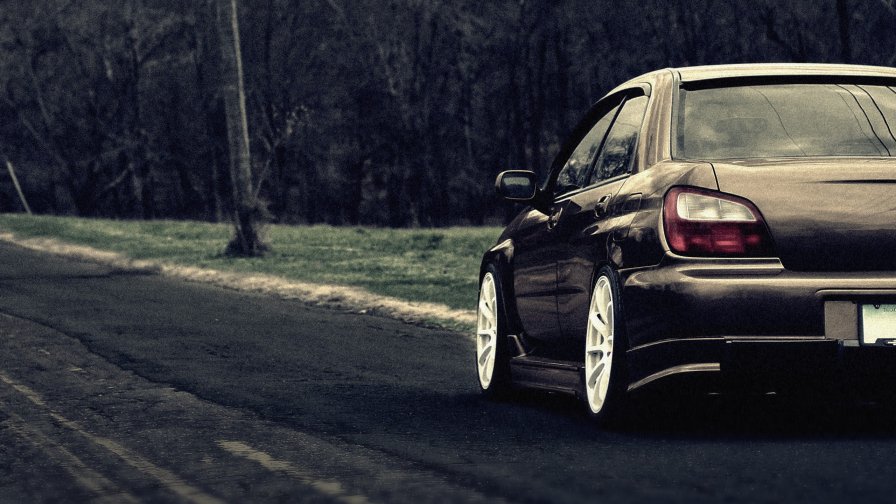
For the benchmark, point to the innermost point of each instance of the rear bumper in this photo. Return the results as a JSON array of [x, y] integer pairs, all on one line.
[[764, 365], [751, 323]]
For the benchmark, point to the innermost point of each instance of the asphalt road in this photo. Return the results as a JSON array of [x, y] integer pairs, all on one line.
[[126, 387]]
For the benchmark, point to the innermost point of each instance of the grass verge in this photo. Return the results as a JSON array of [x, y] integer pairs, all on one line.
[[429, 265]]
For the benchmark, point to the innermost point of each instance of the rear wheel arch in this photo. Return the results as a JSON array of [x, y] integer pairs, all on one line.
[[598, 265], [618, 278]]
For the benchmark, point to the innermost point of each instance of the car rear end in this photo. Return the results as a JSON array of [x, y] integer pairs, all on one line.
[[784, 273]]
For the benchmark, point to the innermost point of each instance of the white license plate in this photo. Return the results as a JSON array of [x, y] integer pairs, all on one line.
[[878, 324]]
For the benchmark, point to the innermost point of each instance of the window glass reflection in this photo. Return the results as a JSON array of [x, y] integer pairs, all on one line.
[[787, 120], [572, 175], [619, 149]]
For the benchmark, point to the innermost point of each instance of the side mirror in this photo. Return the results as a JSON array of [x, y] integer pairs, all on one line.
[[517, 185]]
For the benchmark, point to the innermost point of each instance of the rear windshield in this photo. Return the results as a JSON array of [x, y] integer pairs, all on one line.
[[787, 120]]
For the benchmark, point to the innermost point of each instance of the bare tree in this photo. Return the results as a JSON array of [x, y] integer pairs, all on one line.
[[844, 16], [247, 210], [383, 112]]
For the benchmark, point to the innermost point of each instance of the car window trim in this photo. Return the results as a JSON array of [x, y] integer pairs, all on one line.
[[567, 195]]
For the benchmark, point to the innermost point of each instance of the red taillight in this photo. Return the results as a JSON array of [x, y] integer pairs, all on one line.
[[699, 222]]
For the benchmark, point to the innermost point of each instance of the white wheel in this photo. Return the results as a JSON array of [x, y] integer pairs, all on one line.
[[599, 345], [487, 331]]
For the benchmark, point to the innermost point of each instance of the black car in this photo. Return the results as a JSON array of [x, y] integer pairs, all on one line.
[[734, 224]]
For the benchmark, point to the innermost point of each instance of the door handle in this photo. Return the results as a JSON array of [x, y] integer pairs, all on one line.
[[553, 219], [600, 209]]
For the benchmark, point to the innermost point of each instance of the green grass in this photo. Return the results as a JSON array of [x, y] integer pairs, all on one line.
[[436, 265]]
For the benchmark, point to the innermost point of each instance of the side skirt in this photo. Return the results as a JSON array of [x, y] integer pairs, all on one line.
[[545, 374]]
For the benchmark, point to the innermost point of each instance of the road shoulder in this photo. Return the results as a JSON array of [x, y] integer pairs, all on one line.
[[328, 296]]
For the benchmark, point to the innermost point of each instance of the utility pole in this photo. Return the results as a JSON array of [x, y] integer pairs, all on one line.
[[246, 209]]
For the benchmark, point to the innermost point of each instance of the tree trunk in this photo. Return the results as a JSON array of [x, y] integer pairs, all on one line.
[[844, 16], [246, 210]]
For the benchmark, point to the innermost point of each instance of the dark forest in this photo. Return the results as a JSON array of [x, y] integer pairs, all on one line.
[[375, 112]]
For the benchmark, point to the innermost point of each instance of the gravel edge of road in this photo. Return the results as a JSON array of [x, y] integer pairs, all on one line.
[[328, 296]]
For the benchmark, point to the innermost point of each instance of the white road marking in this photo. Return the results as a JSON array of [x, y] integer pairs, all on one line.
[[168, 479], [105, 489], [332, 489], [25, 391]]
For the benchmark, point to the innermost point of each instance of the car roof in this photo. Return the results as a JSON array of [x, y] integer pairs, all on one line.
[[747, 70]]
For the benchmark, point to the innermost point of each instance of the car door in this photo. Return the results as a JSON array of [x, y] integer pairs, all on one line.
[[591, 218], [535, 277], [535, 241]]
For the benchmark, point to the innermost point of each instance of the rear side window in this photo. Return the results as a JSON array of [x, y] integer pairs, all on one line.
[[572, 175], [787, 120], [619, 148]]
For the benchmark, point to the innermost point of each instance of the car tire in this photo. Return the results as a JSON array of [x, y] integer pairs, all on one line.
[[492, 356], [604, 379]]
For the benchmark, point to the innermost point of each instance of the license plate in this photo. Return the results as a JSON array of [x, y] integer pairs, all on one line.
[[878, 324]]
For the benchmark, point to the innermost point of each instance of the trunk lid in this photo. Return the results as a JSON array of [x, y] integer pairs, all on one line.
[[824, 214]]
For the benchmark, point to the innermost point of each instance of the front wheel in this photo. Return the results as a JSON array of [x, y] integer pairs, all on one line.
[[492, 359], [605, 346]]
